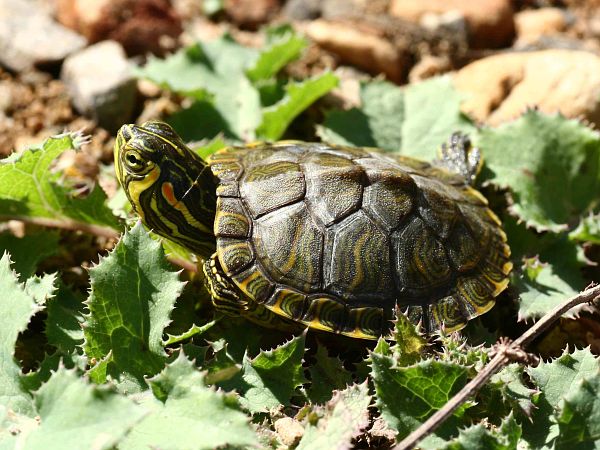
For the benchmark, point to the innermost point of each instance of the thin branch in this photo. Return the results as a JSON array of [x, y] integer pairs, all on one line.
[[67, 224], [504, 355]]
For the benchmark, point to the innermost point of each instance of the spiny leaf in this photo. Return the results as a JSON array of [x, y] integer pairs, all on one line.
[[556, 379], [133, 291], [271, 378], [193, 331], [560, 376], [188, 415], [408, 342], [345, 416], [506, 437], [76, 415], [327, 374], [556, 177], [407, 396], [31, 250], [17, 308], [298, 97], [509, 382], [579, 416], [65, 319], [30, 188], [549, 271], [414, 121]]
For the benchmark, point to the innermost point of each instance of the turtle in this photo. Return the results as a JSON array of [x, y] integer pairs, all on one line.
[[330, 237]]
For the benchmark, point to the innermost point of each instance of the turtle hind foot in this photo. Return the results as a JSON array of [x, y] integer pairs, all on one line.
[[457, 155]]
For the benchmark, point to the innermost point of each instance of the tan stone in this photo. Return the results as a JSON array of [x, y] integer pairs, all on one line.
[[499, 88], [250, 13], [289, 430], [534, 23], [490, 22], [365, 50]]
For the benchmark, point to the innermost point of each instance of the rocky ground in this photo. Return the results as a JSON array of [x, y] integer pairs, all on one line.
[[67, 64]]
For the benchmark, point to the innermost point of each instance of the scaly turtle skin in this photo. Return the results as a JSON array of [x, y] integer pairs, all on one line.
[[330, 237]]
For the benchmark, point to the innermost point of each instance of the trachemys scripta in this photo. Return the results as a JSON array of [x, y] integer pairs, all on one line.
[[327, 236]]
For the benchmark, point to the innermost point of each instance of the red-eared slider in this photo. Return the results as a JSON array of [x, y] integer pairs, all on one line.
[[331, 237]]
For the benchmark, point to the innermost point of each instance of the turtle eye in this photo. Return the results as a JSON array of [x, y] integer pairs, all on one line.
[[134, 161]]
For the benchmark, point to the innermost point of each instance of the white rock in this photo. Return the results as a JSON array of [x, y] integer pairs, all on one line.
[[29, 36], [101, 85]]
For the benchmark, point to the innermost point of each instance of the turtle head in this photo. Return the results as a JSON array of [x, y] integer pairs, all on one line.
[[168, 185]]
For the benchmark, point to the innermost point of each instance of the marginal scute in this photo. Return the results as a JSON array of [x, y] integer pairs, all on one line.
[[354, 248], [254, 283], [288, 303], [234, 255], [365, 323], [326, 313], [268, 187], [333, 186], [231, 219], [421, 262], [446, 313], [227, 170], [477, 291], [290, 246], [228, 189]]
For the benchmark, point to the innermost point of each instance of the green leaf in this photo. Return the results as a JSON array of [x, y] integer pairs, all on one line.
[[17, 307], [414, 121], [588, 230], [65, 319], [271, 378], [432, 113], [327, 374], [201, 120], [189, 415], [30, 188], [556, 178], [283, 48], [207, 149], [239, 104], [298, 97], [550, 272], [579, 416], [407, 396], [200, 68], [76, 415], [30, 249], [346, 415], [506, 437], [133, 291]]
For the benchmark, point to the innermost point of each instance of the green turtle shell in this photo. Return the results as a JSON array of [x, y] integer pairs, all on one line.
[[337, 237]]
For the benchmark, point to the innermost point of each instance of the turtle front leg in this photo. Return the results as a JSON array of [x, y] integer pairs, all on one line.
[[225, 296], [228, 300]]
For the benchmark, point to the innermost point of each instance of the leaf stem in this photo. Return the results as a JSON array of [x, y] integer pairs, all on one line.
[[506, 353]]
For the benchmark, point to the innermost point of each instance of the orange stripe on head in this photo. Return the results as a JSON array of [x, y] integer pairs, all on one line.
[[169, 194]]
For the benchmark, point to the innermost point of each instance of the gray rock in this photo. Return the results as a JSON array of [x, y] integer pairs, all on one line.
[[100, 82], [302, 9], [29, 36]]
